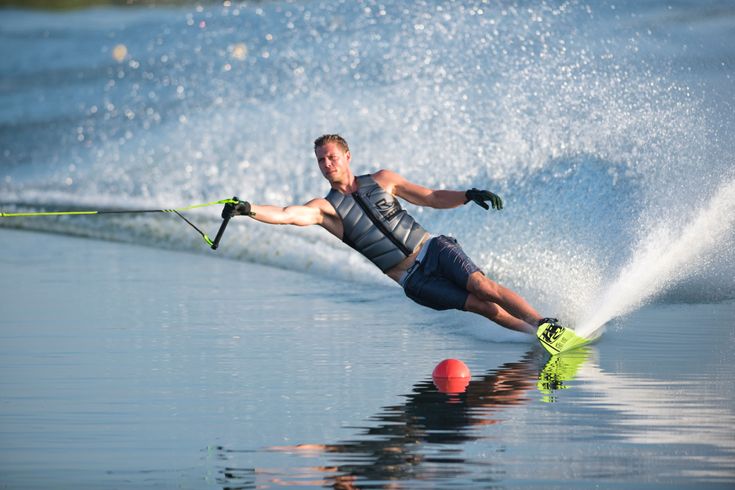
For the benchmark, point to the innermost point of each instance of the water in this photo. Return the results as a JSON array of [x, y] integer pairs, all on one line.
[[664, 258], [606, 127], [123, 366]]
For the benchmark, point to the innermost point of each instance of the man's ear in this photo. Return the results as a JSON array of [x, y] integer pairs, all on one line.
[[349, 156]]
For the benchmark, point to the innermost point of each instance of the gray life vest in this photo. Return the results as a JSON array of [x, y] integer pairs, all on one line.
[[375, 224]]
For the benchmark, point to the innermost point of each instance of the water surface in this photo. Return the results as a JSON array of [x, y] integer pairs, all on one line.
[[123, 366]]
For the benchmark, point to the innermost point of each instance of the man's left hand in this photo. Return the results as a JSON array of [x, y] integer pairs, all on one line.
[[479, 197]]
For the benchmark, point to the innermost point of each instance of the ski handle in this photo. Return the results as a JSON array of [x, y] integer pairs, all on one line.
[[222, 227]]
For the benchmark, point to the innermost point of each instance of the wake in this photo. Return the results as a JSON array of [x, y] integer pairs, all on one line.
[[663, 258]]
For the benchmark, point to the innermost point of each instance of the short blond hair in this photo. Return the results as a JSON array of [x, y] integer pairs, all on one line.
[[331, 138]]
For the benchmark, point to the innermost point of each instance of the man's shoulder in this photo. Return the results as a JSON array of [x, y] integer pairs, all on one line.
[[322, 204], [383, 173], [318, 202], [387, 179]]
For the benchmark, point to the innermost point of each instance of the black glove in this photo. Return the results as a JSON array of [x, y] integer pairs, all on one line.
[[479, 197], [232, 210]]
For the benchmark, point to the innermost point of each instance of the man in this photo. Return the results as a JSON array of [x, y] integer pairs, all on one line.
[[364, 213]]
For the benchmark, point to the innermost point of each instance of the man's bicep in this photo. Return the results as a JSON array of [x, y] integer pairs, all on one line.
[[305, 215], [413, 193], [418, 194]]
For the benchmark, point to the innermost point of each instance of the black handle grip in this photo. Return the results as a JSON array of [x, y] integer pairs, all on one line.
[[222, 227], [220, 232]]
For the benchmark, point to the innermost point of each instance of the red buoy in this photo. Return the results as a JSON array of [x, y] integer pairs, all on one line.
[[451, 376]]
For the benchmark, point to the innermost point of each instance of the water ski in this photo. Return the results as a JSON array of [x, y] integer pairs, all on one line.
[[556, 339]]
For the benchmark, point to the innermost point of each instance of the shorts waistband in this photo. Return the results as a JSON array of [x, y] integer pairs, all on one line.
[[419, 258]]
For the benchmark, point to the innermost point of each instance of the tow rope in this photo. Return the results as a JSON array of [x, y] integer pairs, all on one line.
[[212, 243]]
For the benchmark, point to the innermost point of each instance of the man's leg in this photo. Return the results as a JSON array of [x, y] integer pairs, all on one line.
[[487, 290], [495, 313], [485, 297]]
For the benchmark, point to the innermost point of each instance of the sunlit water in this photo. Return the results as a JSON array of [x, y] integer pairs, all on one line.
[[130, 367]]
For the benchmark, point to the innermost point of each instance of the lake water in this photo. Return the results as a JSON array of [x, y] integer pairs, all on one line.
[[131, 367]]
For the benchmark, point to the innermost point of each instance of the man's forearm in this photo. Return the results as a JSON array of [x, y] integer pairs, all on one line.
[[443, 199], [273, 215], [290, 215]]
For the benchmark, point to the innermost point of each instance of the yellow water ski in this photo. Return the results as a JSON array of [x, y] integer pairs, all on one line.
[[557, 339]]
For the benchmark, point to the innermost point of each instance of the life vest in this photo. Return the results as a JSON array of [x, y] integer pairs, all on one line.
[[375, 224]]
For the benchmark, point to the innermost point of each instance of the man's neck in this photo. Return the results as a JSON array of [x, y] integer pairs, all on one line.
[[348, 186]]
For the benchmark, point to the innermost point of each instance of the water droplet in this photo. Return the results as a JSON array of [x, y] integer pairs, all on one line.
[[239, 51]]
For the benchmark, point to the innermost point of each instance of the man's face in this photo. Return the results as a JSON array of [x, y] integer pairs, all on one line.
[[333, 161]]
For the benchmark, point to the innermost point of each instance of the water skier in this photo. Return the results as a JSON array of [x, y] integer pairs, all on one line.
[[364, 213]]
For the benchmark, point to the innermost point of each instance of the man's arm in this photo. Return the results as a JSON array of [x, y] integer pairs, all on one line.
[[440, 199], [315, 212], [395, 184], [306, 215]]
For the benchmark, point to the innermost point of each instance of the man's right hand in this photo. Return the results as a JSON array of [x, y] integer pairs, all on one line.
[[239, 209]]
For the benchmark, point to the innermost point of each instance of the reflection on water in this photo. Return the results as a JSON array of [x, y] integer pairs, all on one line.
[[428, 439], [559, 370], [664, 412], [419, 439], [180, 386], [396, 448]]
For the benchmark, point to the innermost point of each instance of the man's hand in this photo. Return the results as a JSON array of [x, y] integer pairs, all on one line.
[[232, 210], [479, 197]]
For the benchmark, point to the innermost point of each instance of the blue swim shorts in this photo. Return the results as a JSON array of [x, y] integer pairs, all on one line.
[[438, 279]]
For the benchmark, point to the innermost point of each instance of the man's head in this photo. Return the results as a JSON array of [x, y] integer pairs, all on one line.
[[331, 138], [333, 156]]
